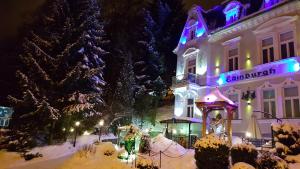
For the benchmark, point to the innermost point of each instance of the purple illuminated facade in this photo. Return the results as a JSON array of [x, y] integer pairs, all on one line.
[[251, 52]]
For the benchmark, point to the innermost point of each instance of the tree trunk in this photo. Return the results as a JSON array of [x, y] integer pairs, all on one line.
[[50, 141]]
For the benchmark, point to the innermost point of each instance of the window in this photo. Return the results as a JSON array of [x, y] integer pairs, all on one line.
[[287, 48], [235, 99], [233, 59], [267, 50], [191, 67], [190, 108], [291, 102], [192, 34], [269, 104]]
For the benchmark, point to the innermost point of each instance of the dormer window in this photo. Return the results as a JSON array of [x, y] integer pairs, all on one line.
[[232, 11], [269, 3]]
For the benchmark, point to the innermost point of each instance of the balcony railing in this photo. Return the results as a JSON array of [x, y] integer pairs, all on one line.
[[188, 78]]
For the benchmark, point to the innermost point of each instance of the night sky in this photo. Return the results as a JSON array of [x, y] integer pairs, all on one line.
[[14, 14]]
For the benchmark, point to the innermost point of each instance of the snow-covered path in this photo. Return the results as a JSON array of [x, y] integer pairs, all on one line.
[[48, 164]]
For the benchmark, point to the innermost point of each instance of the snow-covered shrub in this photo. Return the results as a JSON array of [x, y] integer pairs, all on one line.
[[87, 150], [122, 154], [269, 161], [211, 153], [241, 165], [30, 156], [143, 163], [243, 153], [293, 158], [108, 149], [145, 144], [287, 138]]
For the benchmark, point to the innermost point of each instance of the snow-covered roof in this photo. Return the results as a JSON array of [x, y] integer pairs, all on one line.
[[215, 96]]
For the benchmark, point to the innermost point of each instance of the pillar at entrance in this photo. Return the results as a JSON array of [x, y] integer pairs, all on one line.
[[216, 101]]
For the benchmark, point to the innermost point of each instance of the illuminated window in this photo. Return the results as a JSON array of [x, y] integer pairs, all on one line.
[[269, 3], [190, 108], [235, 99], [291, 102], [191, 66], [233, 59], [232, 11], [269, 103], [267, 50], [287, 46]]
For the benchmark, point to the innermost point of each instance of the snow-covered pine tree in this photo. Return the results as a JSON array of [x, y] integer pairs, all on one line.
[[148, 68], [36, 111], [86, 57], [125, 89]]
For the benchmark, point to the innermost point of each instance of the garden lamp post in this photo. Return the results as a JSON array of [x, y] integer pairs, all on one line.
[[101, 123], [77, 123]]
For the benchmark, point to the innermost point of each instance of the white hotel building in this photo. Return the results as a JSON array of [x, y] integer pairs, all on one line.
[[241, 46]]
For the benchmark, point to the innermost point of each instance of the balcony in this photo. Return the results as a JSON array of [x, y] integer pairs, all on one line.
[[188, 78]]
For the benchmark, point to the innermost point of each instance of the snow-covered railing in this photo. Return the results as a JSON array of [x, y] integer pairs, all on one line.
[[188, 78]]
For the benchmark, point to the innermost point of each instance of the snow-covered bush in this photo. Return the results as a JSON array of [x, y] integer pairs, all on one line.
[[143, 163], [108, 149], [244, 153], [87, 150], [269, 161], [145, 144], [287, 138], [241, 165], [211, 153], [30, 156]]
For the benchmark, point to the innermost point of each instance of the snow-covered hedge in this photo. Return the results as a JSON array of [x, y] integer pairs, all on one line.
[[145, 144], [211, 153], [242, 165], [268, 160], [287, 139], [244, 153], [143, 163]]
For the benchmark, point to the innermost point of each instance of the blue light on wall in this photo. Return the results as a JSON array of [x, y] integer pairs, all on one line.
[[296, 67], [200, 31], [221, 80], [278, 68], [183, 40], [269, 3]]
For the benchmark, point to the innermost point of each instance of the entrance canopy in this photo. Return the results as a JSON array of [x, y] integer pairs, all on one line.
[[216, 101]]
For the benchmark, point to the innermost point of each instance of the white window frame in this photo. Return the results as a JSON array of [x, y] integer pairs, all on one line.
[[268, 49], [287, 43], [274, 28], [193, 67], [229, 45], [191, 108], [291, 98], [269, 102]]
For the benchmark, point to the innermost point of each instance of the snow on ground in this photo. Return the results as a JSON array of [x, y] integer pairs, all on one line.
[[242, 165], [53, 151], [293, 159], [294, 166], [7, 158], [174, 156], [95, 159]]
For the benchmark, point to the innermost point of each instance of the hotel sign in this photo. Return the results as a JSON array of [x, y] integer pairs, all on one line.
[[290, 65], [250, 75]]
